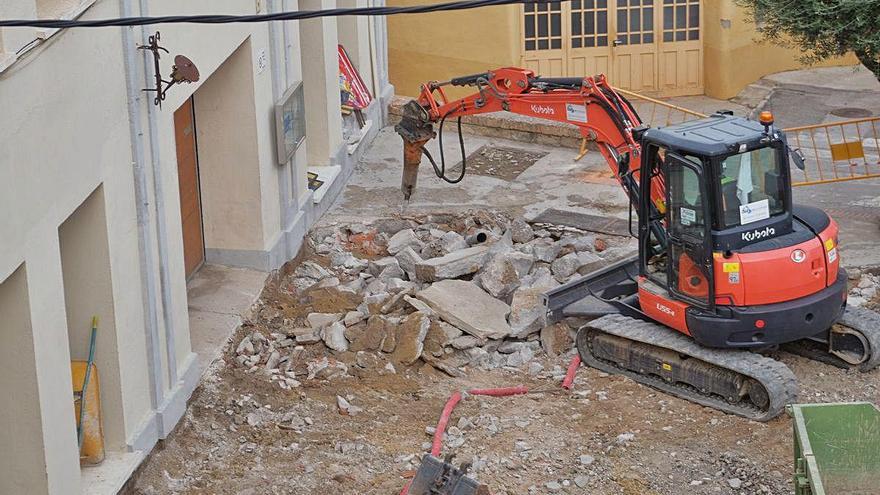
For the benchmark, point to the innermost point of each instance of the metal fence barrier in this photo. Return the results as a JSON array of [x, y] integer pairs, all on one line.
[[833, 152]]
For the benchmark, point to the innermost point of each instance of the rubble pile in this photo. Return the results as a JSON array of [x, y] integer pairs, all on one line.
[[865, 291], [451, 291]]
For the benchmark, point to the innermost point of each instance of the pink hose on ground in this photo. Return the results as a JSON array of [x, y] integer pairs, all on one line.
[[572, 371], [444, 420], [456, 397]]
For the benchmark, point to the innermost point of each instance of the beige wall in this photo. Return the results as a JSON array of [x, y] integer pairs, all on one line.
[[734, 56], [228, 158], [20, 408], [442, 45], [88, 292], [439, 46]]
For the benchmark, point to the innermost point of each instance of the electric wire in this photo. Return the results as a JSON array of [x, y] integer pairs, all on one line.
[[279, 16]]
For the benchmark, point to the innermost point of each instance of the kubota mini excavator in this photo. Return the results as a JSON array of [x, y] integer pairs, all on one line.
[[725, 259]]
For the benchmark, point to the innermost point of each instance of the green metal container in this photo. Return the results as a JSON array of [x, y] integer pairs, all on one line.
[[836, 448]]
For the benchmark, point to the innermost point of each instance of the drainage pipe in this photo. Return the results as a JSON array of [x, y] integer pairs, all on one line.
[[145, 235], [161, 223]]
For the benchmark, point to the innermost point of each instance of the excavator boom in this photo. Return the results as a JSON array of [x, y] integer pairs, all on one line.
[[600, 113]]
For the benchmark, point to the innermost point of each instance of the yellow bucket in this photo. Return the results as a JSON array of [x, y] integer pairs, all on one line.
[[92, 451]]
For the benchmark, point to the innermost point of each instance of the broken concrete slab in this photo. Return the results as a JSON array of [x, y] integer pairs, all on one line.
[[502, 274], [353, 317], [334, 337], [464, 342], [378, 335], [521, 231], [565, 266], [469, 308], [410, 338], [311, 270], [320, 320], [402, 240], [453, 265], [453, 241], [408, 259], [545, 249], [527, 311], [556, 339], [419, 305]]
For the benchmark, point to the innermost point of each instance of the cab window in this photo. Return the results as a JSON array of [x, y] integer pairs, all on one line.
[[751, 186], [686, 200]]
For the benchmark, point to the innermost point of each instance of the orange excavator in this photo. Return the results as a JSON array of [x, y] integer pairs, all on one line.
[[726, 264]]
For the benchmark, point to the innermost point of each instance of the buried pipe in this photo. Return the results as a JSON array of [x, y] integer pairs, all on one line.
[[478, 237]]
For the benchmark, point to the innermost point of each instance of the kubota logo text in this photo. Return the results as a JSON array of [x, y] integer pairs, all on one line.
[[542, 110], [666, 309], [754, 235]]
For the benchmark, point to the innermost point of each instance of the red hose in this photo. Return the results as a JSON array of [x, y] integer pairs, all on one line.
[[444, 420], [456, 397], [572, 371]]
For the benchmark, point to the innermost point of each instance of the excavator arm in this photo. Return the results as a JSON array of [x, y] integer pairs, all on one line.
[[599, 112]]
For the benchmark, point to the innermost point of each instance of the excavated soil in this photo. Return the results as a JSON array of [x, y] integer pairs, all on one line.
[[243, 434]]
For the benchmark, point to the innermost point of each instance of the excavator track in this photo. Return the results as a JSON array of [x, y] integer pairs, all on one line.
[[865, 323], [734, 381]]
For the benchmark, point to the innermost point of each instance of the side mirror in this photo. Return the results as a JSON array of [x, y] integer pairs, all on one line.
[[797, 157]]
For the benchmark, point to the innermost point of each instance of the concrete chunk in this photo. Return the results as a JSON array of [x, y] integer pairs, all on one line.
[[320, 320], [453, 265], [402, 240], [469, 308], [408, 259]]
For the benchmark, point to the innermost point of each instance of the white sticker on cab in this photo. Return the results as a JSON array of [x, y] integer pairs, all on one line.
[[752, 212], [688, 216]]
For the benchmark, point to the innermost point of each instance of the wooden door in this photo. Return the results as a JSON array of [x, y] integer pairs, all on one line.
[[650, 46], [681, 48], [543, 41], [590, 40], [188, 179], [634, 49]]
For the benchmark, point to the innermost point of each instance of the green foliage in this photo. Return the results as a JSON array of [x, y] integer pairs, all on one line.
[[822, 28]]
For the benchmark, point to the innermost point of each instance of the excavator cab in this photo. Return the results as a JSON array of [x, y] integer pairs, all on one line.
[[727, 186]]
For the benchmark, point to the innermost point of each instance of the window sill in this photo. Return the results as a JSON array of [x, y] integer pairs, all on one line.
[[8, 59]]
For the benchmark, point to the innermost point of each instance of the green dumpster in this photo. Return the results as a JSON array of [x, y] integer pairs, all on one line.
[[836, 448]]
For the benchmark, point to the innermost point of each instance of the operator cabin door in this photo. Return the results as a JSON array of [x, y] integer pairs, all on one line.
[[690, 256]]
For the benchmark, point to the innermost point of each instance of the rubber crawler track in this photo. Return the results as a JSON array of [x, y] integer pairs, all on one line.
[[776, 377], [863, 320]]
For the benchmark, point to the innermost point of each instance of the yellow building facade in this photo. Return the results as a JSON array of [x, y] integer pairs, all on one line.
[[657, 47]]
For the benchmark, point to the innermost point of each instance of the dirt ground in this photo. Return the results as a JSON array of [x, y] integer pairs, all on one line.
[[246, 433]]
